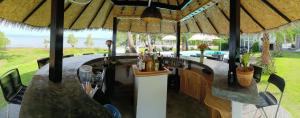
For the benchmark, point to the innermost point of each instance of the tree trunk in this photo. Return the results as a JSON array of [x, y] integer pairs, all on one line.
[[265, 55], [297, 43], [131, 48], [149, 43]]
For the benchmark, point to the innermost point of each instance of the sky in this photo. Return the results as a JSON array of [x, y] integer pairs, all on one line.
[[25, 37]]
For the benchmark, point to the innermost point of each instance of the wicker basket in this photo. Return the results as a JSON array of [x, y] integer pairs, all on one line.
[[244, 77]]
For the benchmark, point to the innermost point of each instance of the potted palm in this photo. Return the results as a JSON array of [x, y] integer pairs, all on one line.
[[244, 72]]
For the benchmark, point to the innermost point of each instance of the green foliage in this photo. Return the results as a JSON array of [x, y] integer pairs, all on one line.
[[267, 68], [4, 41], [121, 38], [89, 41], [277, 53], [223, 41], [255, 47], [72, 40], [245, 60]]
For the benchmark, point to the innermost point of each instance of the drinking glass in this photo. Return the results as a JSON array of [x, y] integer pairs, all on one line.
[[85, 73]]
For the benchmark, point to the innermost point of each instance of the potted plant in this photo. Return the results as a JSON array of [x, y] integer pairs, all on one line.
[[244, 72]]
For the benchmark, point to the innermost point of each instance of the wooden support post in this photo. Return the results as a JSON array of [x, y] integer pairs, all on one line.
[[177, 77], [178, 40], [114, 44], [56, 42], [234, 41], [112, 67]]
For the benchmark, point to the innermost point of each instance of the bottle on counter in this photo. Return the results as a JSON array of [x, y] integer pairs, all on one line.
[[156, 62], [141, 62]]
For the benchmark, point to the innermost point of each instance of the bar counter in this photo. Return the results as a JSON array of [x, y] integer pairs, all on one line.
[[46, 99]]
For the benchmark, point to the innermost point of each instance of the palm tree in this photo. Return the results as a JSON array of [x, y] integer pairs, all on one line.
[[265, 55], [130, 43]]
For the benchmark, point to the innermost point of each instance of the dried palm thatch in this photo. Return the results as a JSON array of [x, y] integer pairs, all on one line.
[[200, 16]]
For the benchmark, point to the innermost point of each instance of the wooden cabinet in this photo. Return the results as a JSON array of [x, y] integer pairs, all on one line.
[[193, 84]]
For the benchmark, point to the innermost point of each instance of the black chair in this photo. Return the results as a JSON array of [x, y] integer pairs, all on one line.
[[257, 73], [70, 55], [12, 87], [268, 98], [87, 53], [43, 61]]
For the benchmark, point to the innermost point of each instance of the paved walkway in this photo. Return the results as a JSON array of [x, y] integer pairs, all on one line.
[[13, 111]]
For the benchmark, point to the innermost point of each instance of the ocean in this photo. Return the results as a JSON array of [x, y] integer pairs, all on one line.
[[25, 41]]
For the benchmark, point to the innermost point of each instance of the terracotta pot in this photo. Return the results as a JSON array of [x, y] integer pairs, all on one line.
[[244, 77]]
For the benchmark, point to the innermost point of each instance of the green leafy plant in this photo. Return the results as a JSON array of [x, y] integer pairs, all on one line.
[[255, 47], [245, 60]]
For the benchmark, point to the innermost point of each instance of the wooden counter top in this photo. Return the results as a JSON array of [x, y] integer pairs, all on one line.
[[45, 99], [138, 73]]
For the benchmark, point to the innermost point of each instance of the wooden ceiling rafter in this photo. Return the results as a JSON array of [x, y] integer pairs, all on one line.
[[35, 8], [197, 23], [250, 15], [210, 22], [133, 13], [224, 14], [80, 14], [270, 5], [187, 27], [95, 15], [105, 20], [156, 4]]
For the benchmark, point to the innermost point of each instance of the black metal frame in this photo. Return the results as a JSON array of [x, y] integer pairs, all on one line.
[[56, 42], [155, 4], [234, 41], [19, 79]]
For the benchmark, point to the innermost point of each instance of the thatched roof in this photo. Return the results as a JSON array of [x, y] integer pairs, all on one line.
[[210, 16]]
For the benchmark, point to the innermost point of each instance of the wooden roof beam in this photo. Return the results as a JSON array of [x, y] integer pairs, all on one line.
[[187, 27], [210, 22], [224, 14], [261, 26], [156, 4], [197, 23], [95, 15], [81, 12], [37, 7], [276, 10], [130, 25], [107, 16]]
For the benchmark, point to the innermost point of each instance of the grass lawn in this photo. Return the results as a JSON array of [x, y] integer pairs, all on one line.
[[25, 60], [286, 67]]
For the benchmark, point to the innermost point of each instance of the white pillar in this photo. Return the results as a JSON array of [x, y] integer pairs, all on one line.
[[248, 44], [236, 109]]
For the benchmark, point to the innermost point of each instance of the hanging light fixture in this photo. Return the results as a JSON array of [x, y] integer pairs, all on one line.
[[83, 2], [151, 14]]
